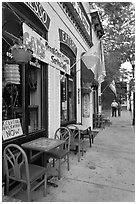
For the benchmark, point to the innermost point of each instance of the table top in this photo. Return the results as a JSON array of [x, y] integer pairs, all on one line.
[[43, 144], [80, 127], [83, 127]]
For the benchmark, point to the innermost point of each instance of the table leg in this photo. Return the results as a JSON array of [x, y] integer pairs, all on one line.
[[46, 164], [90, 136]]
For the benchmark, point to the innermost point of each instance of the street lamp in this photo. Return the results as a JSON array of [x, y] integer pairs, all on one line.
[[133, 73]]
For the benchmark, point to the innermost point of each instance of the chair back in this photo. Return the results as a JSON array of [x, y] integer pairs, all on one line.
[[16, 162], [63, 133], [75, 133]]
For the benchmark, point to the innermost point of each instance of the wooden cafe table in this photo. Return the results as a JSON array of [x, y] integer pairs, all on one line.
[[87, 131], [42, 145]]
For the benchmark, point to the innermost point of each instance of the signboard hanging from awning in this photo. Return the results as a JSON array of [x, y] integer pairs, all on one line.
[[43, 51]]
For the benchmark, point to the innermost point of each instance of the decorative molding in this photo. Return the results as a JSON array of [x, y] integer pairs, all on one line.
[[77, 22]]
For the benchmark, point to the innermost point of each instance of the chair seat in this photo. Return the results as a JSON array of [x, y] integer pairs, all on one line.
[[18, 169], [76, 142], [58, 153], [34, 171]]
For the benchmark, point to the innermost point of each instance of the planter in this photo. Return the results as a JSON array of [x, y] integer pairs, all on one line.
[[22, 55]]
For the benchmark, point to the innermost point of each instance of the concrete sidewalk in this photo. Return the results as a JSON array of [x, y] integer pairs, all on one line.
[[106, 172]]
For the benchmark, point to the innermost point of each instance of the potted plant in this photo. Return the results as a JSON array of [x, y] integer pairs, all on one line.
[[21, 53]]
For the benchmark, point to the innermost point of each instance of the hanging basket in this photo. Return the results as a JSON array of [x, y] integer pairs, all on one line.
[[22, 55]]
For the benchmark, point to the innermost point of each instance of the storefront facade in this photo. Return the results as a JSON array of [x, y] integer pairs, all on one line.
[[53, 88], [44, 93]]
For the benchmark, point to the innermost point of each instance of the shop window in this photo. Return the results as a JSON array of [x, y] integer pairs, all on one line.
[[19, 88], [34, 99], [67, 99], [71, 99], [68, 88], [64, 113], [11, 91]]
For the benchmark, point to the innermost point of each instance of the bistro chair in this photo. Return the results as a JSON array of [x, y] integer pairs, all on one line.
[[88, 133], [77, 140], [61, 152], [19, 170]]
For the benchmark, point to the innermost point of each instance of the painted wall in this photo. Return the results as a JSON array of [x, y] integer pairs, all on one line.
[[60, 20]]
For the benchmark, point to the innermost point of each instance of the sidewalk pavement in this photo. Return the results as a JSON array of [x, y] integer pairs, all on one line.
[[106, 172]]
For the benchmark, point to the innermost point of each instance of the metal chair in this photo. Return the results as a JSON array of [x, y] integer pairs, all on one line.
[[18, 169], [61, 152], [76, 140]]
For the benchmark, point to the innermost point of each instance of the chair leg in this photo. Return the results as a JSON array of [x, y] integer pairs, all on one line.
[[92, 138], [53, 162], [28, 192], [7, 186], [90, 141], [68, 162], [78, 153], [45, 184], [59, 169], [82, 148], [90, 135]]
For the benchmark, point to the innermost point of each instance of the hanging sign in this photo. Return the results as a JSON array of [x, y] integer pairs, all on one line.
[[11, 128], [43, 51]]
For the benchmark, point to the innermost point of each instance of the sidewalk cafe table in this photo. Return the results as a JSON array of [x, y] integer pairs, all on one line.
[[87, 131], [42, 145]]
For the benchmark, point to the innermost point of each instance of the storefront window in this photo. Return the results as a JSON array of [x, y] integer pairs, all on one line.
[[67, 99], [71, 99], [64, 114], [11, 91], [15, 94], [34, 95], [68, 88]]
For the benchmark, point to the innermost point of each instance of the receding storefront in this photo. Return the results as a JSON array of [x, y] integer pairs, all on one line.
[[68, 80]]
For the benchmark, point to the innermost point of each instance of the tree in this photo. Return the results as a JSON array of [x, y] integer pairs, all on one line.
[[118, 20]]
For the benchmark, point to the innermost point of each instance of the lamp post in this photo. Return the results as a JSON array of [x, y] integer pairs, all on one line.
[[133, 73]]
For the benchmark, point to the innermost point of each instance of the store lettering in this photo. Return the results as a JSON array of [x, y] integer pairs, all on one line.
[[34, 44], [57, 62], [39, 10], [43, 51], [64, 37], [12, 133], [39, 48]]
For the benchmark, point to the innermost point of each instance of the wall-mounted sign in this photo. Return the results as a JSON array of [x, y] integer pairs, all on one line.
[[43, 51], [65, 38], [40, 12], [11, 128]]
